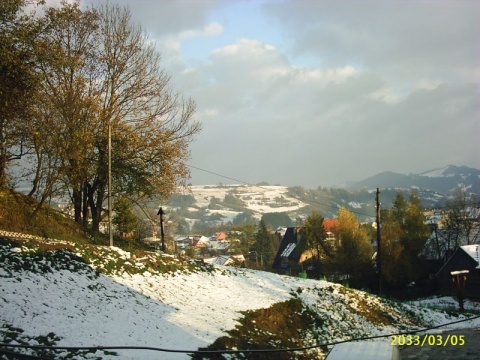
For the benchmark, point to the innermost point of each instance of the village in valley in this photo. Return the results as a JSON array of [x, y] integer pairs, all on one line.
[[450, 243], [350, 219]]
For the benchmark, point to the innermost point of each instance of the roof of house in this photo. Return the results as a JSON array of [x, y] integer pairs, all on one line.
[[473, 251], [221, 236], [287, 248], [330, 224], [225, 259]]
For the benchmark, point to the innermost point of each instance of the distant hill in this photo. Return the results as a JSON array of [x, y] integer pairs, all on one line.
[[443, 180], [215, 205]]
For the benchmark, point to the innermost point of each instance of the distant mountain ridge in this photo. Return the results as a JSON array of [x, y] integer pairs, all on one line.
[[213, 205], [442, 180]]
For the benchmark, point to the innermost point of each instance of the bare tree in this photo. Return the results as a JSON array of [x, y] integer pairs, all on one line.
[[66, 106], [99, 70], [460, 224]]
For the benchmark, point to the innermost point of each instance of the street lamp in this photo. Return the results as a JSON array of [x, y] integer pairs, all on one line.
[[256, 256], [161, 213]]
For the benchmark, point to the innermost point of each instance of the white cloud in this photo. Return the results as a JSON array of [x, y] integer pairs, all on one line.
[[212, 29], [323, 92]]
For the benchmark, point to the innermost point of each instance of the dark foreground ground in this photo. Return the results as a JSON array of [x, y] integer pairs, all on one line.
[[468, 349]]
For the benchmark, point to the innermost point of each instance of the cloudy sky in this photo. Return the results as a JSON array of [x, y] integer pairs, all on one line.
[[318, 93]]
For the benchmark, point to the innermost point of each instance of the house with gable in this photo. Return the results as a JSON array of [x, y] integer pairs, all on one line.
[[203, 242], [289, 251], [226, 260], [220, 242], [465, 260], [292, 257]]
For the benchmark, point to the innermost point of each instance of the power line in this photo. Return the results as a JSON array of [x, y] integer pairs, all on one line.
[[263, 188], [223, 176], [206, 352]]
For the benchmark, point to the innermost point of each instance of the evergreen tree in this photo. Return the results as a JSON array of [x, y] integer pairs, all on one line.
[[266, 245], [404, 234], [124, 219], [276, 220]]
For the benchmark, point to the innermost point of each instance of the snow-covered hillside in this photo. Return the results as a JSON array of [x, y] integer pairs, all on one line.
[[66, 294], [257, 200]]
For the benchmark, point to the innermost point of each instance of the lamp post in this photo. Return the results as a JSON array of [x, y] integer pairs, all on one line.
[[256, 256], [161, 213], [460, 278]]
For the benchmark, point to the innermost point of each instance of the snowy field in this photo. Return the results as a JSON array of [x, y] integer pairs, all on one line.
[[175, 310], [258, 199]]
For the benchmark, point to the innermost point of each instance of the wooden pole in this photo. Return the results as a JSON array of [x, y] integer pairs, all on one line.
[[379, 250]]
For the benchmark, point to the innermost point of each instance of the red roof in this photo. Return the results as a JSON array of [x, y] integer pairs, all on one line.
[[330, 224], [221, 236]]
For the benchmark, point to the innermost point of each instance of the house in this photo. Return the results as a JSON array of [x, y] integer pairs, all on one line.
[[182, 242], [226, 260], [221, 236], [330, 225], [152, 241], [289, 251], [465, 258], [203, 242], [292, 253]]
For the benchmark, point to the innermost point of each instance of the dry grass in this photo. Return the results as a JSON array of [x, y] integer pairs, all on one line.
[[287, 324], [17, 214]]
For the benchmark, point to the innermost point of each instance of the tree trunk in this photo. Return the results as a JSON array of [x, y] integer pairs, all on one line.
[[96, 194], [77, 205], [85, 206]]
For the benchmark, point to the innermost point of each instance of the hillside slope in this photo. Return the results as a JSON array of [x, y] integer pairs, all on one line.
[[443, 180], [63, 294]]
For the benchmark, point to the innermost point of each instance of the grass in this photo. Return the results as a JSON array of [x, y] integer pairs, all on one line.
[[40, 256], [17, 215]]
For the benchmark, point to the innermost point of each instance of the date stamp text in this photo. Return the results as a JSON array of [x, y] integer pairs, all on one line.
[[428, 340]]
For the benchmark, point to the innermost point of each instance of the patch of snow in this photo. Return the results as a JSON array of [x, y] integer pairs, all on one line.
[[355, 205], [176, 310], [436, 173]]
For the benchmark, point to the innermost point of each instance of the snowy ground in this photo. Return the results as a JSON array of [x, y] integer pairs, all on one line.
[[174, 310], [258, 199]]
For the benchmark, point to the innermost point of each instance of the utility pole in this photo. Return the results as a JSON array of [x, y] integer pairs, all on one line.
[[161, 213], [379, 253], [110, 227]]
